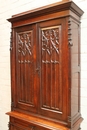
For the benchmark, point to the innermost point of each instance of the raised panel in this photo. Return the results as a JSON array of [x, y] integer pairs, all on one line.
[[18, 127], [25, 68], [51, 69], [75, 66]]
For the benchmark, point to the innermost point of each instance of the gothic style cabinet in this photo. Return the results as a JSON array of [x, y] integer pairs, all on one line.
[[45, 68]]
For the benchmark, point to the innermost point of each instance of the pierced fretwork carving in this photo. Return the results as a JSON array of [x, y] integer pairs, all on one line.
[[51, 68], [24, 42], [25, 62], [50, 44], [25, 46]]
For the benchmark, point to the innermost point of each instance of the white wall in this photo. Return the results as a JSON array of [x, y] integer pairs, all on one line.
[[11, 7], [83, 5]]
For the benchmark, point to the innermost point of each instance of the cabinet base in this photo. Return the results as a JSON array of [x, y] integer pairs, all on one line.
[[19, 121]]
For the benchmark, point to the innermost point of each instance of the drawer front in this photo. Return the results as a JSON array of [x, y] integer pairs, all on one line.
[[18, 127], [33, 128], [17, 124]]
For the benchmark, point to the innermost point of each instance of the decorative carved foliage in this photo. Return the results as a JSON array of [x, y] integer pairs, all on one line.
[[11, 40], [50, 44], [24, 42], [51, 68], [25, 67], [24, 46], [69, 33]]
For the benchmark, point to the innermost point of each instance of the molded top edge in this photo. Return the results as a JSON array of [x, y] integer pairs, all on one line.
[[49, 9]]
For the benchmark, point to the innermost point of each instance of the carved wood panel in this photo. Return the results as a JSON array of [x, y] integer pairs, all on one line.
[[25, 62], [25, 46], [39, 69], [51, 88], [50, 68], [45, 68]]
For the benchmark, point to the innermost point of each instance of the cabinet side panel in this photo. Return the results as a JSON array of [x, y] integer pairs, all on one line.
[[75, 70]]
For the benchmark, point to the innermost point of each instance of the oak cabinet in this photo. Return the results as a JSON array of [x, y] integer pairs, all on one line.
[[45, 68]]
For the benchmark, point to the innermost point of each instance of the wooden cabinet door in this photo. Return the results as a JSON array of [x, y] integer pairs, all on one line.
[[24, 86], [40, 80], [53, 63]]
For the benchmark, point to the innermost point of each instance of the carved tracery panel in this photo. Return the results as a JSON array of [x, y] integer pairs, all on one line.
[[50, 45], [25, 64], [25, 47], [51, 68]]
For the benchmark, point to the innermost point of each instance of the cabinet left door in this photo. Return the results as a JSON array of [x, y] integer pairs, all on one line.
[[23, 68]]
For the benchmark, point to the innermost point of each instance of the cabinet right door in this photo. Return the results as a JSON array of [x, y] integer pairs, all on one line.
[[53, 68]]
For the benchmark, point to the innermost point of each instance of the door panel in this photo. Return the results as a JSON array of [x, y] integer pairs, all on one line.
[[52, 101], [41, 68], [26, 88], [50, 68]]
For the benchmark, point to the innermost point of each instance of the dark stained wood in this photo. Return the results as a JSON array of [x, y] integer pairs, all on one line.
[[28, 121], [34, 121], [25, 65], [45, 68], [52, 92]]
